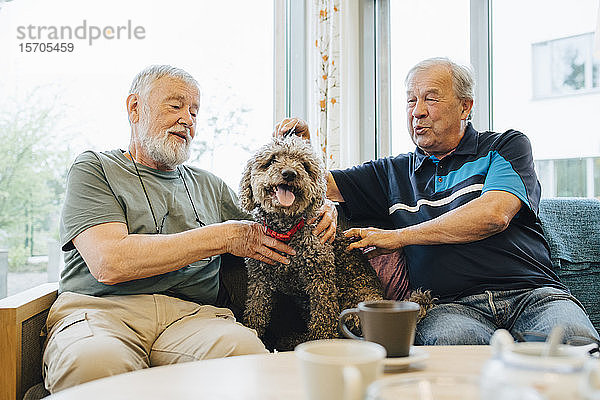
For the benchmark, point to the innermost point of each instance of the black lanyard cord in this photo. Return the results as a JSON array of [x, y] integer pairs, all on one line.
[[187, 191], [190, 197], [145, 192]]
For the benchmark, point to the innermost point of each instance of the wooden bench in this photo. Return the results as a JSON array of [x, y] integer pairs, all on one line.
[[22, 318]]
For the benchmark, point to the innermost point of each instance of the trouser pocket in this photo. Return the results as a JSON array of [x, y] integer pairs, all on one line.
[[64, 333]]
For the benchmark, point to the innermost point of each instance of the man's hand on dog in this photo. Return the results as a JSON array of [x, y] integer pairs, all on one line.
[[327, 223], [248, 239], [373, 241]]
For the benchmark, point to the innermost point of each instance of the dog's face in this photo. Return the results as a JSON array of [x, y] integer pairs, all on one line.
[[284, 177]]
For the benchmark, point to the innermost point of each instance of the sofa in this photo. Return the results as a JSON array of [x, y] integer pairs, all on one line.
[[571, 227]]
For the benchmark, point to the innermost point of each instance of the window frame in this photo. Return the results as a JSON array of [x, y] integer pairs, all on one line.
[[369, 80], [373, 79], [292, 89], [481, 60]]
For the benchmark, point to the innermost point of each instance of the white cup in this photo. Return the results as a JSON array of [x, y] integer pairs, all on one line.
[[339, 369]]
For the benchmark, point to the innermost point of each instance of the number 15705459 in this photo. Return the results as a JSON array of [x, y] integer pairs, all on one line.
[[37, 47]]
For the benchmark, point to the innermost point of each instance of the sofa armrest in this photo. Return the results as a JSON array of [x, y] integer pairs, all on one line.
[[22, 317]]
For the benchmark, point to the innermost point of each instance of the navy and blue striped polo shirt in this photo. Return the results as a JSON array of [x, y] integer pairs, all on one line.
[[412, 188]]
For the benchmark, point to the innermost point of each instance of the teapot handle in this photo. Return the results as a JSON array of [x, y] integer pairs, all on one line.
[[501, 341]]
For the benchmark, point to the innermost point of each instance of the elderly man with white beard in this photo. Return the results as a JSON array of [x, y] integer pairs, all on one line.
[[143, 235]]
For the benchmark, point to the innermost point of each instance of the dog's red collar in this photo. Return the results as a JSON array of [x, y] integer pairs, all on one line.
[[287, 236]]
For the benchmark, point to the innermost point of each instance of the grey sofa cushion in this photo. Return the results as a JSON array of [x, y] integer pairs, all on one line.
[[572, 228]]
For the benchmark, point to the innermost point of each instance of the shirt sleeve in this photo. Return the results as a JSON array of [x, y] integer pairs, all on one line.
[[364, 190], [89, 200], [512, 170]]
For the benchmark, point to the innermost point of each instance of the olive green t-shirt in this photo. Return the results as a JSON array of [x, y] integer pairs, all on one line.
[[104, 187]]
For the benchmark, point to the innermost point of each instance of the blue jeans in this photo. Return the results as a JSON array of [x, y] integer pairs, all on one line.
[[528, 314]]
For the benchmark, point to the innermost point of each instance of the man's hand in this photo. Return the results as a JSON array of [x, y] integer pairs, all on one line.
[[292, 126], [383, 241], [478, 219], [248, 239], [327, 223]]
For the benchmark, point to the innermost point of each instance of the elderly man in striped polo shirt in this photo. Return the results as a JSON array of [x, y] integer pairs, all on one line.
[[464, 205]]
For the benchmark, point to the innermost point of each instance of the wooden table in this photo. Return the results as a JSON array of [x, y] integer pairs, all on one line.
[[264, 377]]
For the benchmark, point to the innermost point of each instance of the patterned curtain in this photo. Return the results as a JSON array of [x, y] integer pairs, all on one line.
[[326, 23]]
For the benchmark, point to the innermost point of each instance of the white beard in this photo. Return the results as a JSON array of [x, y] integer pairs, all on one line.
[[162, 148]]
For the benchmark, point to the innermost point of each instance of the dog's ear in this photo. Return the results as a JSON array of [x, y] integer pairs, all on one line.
[[245, 195]]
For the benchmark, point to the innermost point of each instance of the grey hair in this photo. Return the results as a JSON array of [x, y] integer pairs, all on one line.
[[462, 76], [144, 79]]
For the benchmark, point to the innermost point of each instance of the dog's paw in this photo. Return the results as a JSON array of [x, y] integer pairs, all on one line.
[[424, 299]]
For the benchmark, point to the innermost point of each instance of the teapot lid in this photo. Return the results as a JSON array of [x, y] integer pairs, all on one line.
[[530, 355], [536, 355]]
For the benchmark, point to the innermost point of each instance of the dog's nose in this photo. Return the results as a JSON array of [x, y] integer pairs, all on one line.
[[288, 175]]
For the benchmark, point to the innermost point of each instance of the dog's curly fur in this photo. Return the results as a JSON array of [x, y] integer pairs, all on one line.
[[424, 299], [322, 279]]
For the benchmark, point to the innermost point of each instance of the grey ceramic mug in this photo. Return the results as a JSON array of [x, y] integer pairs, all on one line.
[[390, 323]]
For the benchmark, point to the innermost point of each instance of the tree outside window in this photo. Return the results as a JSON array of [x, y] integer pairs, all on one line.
[[564, 66]]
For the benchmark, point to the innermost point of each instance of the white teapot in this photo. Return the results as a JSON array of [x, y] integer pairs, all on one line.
[[535, 370], [590, 385]]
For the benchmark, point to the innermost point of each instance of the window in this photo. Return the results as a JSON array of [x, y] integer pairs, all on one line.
[[59, 101], [564, 66], [546, 84], [570, 177], [535, 69], [445, 34]]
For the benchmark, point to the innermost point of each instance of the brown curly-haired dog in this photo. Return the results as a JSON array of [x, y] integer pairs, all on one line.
[[284, 186]]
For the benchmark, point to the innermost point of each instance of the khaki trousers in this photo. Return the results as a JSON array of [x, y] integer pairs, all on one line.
[[93, 337]]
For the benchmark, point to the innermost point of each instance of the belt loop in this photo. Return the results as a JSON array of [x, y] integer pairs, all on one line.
[[491, 302]]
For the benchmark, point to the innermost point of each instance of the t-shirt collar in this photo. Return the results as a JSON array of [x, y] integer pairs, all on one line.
[[466, 146], [174, 174], [468, 143]]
